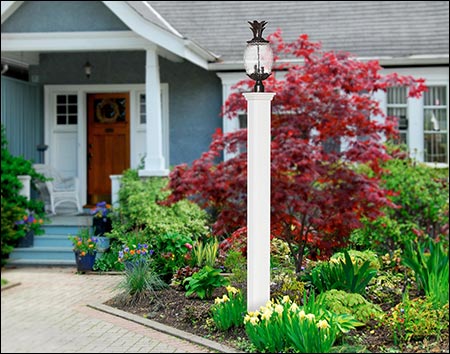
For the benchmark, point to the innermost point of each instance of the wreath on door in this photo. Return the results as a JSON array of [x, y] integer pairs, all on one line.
[[107, 111]]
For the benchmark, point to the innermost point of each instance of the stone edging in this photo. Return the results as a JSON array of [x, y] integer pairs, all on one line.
[[9, 286], [165, 329]]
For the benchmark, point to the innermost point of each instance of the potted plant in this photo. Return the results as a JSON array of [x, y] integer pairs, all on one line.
[[29, 226], [102, 224], [85, 249]]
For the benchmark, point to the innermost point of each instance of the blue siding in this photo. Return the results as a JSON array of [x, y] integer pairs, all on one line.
[[195, 100], [63, 16], [22, 116], [107, 68]]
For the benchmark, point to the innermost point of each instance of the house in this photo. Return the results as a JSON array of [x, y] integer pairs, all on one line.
[[95, 87]]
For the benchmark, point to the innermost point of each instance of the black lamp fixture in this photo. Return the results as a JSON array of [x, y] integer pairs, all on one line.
[[258, 56], [87, 69]]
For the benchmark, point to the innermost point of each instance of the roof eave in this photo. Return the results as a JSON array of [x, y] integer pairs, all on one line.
[[8, 8], [414, 60]]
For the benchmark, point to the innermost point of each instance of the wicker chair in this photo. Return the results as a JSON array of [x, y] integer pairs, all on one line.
[[59, 189]]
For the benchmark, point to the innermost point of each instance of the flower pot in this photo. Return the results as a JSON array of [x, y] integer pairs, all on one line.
[[101, 226], [27, 240], [86, 262], [102, 244]]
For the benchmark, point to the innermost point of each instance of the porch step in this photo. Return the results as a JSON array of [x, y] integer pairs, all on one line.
[[56, 253], [51, 241], [53, 248]]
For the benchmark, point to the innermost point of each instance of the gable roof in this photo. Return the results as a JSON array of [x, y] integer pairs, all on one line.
[[367, 29], [140, 28]]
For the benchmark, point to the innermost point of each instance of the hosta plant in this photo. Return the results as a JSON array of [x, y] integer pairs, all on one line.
[[203, 282]]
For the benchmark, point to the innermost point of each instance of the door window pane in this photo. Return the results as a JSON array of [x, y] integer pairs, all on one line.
[[66, 109]]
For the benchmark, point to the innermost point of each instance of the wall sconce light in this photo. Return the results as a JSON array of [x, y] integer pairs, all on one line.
[[258, 56], [88, 69]]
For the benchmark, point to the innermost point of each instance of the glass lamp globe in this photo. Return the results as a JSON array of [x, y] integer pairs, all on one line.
[[258, 56]]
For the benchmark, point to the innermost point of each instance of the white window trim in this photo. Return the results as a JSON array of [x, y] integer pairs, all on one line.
[[50, 92]]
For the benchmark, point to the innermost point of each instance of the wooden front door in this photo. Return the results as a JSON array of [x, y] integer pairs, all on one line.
[[108, 142]]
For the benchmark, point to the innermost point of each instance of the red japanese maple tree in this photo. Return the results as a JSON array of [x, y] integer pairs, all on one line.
[[319, 192]]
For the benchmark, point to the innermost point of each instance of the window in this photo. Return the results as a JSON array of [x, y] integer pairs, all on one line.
[[66, 109], [142, 114], [435, 128], [397, 106]]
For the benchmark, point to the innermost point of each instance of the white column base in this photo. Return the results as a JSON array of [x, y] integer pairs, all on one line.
[[154, 173], [115, 186], [26, 182]]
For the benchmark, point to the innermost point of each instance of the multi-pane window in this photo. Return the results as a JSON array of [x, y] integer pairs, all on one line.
[[142, 114], [66, 109], [435, 127], [242, 121], [397, 105]]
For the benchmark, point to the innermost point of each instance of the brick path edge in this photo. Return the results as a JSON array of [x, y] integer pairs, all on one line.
[[164, 328]]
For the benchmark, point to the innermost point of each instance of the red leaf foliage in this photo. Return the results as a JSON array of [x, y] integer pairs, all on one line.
[[318, 193]]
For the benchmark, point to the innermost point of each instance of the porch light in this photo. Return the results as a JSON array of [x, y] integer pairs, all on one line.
[[258, 56], [88, 69]]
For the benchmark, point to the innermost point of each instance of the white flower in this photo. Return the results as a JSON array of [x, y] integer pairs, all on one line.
[[294, 308], [232, 289], [285, 299], [323, 324], [279, 309], [310, 316]]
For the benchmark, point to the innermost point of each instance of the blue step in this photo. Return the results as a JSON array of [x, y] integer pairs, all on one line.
[[49, 240], [54, 246], [62, 230], [62, 253]]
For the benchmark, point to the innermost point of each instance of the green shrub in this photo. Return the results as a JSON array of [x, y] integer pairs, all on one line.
[[109, 260], [342, 302], [15, 206], [204, 282], [421, 194], [416, 319], [386, 288], [170, 252], [236, 263], [141, 209], [421, 191]]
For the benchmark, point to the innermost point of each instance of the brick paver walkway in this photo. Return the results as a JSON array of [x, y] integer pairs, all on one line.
[[47, 313]]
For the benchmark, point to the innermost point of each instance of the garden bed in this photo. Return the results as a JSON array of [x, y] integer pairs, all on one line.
[[171, 307]]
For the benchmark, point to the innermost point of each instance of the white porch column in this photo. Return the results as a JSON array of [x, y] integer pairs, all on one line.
[[26, 181], [258, 199], [154, 160]]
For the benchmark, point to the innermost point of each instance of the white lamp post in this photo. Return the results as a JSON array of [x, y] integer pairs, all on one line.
[[258, 60]]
